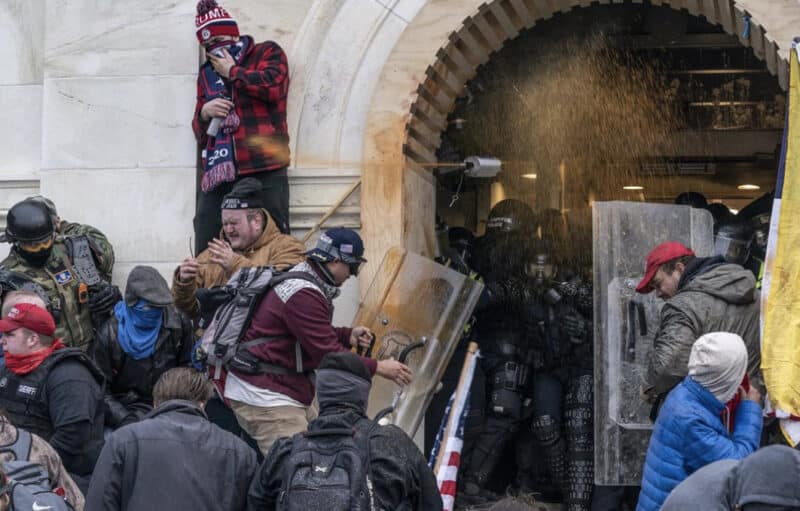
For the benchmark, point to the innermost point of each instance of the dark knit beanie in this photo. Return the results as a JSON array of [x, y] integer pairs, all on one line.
[[345, 361], [245, 194]]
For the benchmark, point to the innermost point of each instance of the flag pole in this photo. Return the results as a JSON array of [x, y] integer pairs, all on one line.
[[452, 421]]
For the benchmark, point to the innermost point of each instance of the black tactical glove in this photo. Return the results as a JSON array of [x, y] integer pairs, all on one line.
[[575, 326], [102, 298]]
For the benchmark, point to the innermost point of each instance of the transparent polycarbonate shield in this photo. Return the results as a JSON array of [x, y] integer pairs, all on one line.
[[415, 300], [626, 323]]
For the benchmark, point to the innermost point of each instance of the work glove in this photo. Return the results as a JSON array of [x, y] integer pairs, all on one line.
[[575, 326], [102, 298]]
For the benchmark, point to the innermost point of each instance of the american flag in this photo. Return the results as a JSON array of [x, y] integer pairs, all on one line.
[[448, 468]]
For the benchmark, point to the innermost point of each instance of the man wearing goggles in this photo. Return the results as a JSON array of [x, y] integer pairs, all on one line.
[[72, 271], [291, 329]]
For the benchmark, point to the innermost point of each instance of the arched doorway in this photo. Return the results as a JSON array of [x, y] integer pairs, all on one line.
[[401, 137]]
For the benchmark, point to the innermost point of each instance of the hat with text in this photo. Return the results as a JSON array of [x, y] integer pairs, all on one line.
[[213, 20], [30, 316]]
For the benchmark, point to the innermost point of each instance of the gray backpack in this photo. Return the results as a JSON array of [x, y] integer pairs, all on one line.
[[28, 481], [221, 341]]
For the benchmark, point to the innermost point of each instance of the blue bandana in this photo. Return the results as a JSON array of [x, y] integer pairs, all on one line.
[[138, 328]]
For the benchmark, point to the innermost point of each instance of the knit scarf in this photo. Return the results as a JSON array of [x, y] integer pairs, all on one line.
[[138, 328], [23, 364], [219, 165]]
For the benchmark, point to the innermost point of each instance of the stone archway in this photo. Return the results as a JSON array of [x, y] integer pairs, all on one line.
[[403, 130]]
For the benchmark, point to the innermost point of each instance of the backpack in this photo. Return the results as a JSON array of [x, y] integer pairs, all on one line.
[[221, 341], [28, 481], [24, 497], [328, 469], [22, 469]]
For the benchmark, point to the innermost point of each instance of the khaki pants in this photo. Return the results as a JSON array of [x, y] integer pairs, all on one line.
[[266, 425]]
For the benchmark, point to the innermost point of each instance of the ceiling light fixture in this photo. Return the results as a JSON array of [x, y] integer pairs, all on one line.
[[529, 176], [633, 187], [748, 187]]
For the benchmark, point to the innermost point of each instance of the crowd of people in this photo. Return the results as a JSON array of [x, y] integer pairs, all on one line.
[[229, 388]]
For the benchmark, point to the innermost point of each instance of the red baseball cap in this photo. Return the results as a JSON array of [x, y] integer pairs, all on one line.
[[663, 253], [30, 316]]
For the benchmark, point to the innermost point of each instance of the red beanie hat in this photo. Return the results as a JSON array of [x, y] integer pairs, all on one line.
[[213, 20]]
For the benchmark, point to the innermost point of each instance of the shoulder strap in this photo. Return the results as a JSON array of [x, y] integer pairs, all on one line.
[[289, 275], [21, 448]]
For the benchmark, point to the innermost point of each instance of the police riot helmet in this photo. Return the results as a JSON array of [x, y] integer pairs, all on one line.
[[29, 221], [733, 241], [509, 215]]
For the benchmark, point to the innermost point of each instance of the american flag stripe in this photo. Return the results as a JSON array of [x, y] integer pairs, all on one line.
[[447, 475]]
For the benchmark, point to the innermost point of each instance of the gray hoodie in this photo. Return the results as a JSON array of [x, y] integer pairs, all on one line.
[[768, 477], [713, 297]]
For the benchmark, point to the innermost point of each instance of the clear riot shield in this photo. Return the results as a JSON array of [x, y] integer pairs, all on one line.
[[413, 299], [626, 322]]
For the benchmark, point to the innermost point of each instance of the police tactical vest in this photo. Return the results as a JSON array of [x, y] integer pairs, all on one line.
[[22, 396], [70, 264]]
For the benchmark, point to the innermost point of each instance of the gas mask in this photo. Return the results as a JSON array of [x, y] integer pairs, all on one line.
[[540, 269]]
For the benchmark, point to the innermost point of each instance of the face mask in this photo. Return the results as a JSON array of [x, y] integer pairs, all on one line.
[[216, 48], [36, 259]]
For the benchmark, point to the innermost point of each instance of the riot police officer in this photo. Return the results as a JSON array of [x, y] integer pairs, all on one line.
[[500, 329], [561, 337], [73, 270]]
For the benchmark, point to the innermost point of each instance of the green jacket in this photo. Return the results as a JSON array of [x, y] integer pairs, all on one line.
[[58, 278], [721, 299]]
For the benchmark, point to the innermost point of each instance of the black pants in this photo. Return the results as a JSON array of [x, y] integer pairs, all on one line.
[[208, 221]]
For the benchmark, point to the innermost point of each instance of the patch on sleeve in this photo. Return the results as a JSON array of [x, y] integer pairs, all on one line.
[[63, 277]]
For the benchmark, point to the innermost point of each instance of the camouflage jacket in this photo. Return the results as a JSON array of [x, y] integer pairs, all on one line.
[[43, 454], [59, 280]]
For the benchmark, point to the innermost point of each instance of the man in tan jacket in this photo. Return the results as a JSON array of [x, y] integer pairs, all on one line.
[[249, 238]]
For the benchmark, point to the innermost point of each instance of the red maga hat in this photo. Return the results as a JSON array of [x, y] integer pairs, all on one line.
[[663, 253], [30, 316]]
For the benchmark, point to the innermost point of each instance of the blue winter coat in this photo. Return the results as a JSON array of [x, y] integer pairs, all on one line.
[[688, 435]]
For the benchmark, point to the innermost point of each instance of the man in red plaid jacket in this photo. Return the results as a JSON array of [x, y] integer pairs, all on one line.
[[242, 90]]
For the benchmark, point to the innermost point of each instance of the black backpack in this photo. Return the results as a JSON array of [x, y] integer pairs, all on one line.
[[328, 469]]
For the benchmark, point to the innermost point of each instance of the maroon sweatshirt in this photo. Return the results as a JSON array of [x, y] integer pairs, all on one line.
[[297, 310]]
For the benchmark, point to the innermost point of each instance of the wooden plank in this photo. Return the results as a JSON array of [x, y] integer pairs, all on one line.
[[542, 8], [462, 58], [427, 105], [726, 17], [561, 5], [740, 25], [459, 66], [418, 170], [783, 73], [425, 132], [443, 97], [477, 49], [430, 144], [693, 6], [445, 79], [488, 33], [522, 11], [428, 114], [418, 152], [771, 56], [757, 40], [511, 30]]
